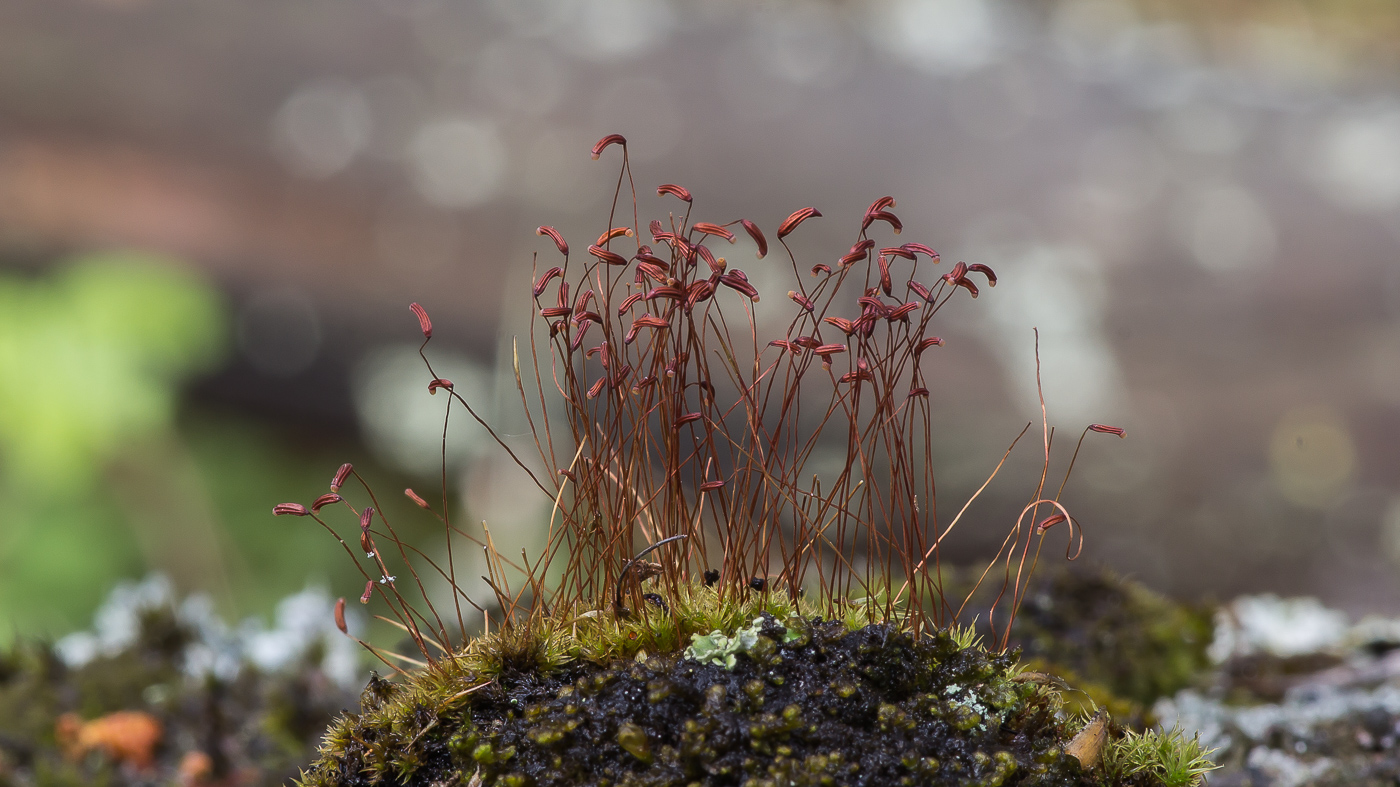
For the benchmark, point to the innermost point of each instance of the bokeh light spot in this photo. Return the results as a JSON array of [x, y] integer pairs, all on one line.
[[457, 163], [1226, 228], [321, 128], [1358, 160], [1312, 456]]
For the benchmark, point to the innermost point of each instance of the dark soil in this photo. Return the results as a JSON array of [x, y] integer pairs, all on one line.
[[871, 707]]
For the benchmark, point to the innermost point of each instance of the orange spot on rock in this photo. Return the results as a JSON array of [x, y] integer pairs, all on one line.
[[126, 736], [195, 768]]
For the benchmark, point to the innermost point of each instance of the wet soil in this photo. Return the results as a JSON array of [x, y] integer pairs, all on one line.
[[870, 707]]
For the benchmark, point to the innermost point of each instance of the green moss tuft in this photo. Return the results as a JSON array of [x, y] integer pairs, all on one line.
[[1155, 759]]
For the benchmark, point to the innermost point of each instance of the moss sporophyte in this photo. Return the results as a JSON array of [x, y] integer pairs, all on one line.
[[715, 601]]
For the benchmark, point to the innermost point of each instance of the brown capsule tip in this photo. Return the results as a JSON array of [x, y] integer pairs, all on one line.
[[902, 312], [423, 321], [615, 232], [420, 502], [609, 257], [545, 279], [340, 616], [757, 235], [885, 216], [922, 249], [713, 229], [932, 341], [1106, 429], [801, 300], [680, 192], [841, 324], [688, 418], [714, 263], [441, 382], [554, 235], [985, 271], [340, 475], [791, 222], [366, 517], [879, 205], [1049, 522], [611, 139], [325, 500], [737, 281], [290, 509], [369, 592]]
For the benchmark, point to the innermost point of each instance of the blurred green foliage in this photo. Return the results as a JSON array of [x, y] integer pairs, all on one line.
[[90, 360], [249, 467], [1120, 644], [106, 474], [91, 357]]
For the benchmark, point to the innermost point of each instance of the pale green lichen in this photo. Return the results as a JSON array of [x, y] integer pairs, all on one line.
[[723, 650]]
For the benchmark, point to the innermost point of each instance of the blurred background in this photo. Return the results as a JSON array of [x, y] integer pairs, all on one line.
[[213, 216]]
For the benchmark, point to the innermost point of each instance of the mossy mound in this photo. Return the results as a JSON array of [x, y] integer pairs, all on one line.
[[1114, 640], [808, 703]]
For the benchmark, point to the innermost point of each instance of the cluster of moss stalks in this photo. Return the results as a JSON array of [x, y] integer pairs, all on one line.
[[765, 695]]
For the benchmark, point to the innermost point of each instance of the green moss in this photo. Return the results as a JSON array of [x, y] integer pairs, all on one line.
[[763, 693], [1166, 758], [1119, 644], [809, 702]]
